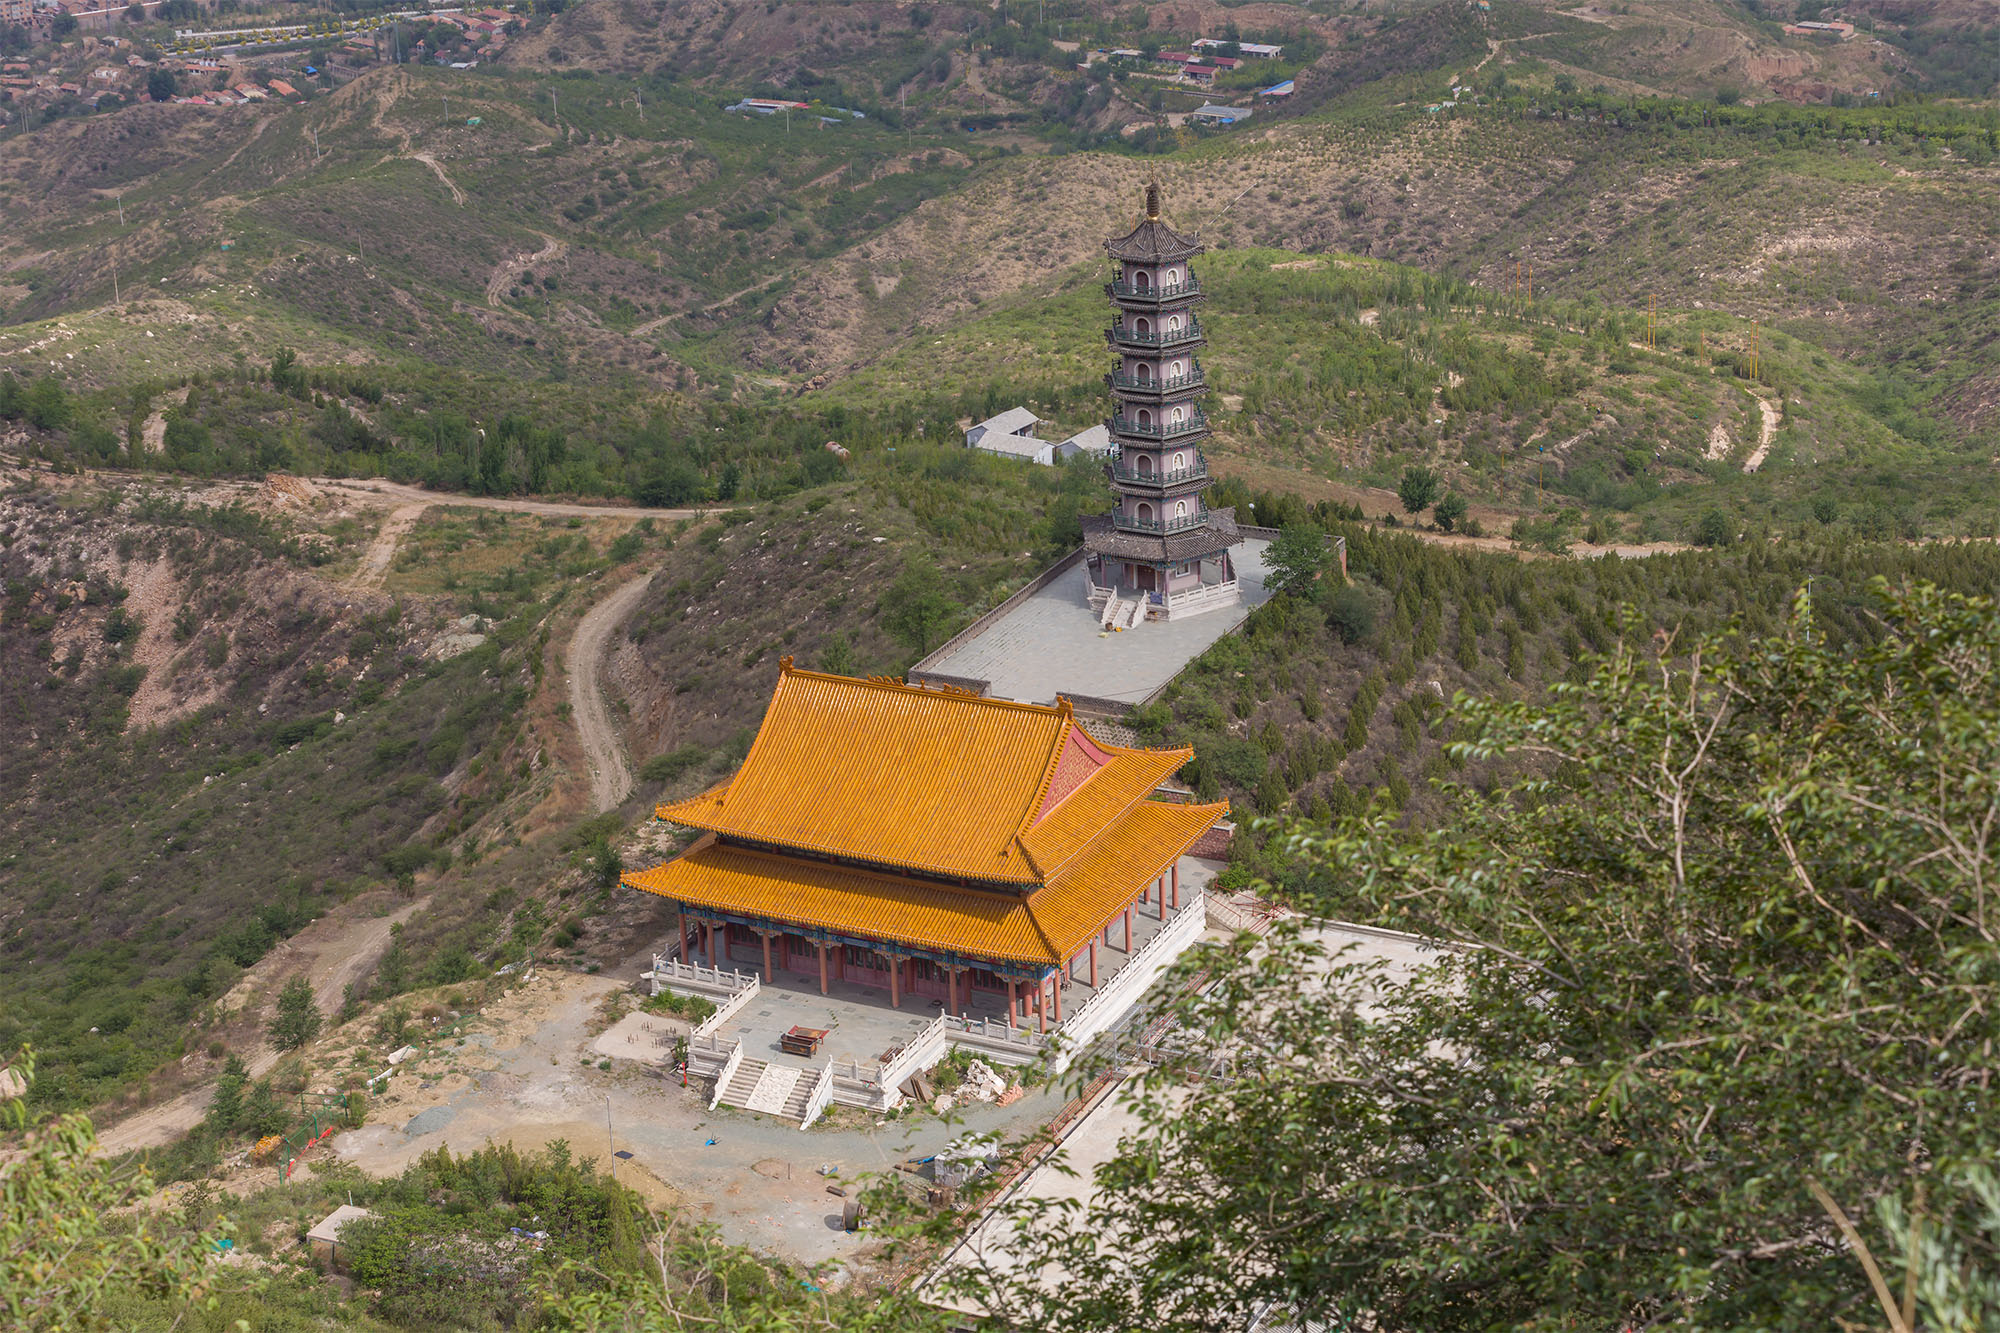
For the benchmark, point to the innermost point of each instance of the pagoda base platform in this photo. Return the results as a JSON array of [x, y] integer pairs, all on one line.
[[1047, 641], [1208, 598]]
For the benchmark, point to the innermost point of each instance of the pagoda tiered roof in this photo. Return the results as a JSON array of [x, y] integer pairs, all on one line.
[[1153, 241], [1218, 531]]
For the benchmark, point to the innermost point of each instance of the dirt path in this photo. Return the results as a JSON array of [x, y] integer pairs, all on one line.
[[1765, 434], [550, 508], [382, 551], [458, 195], [153, 434], [730, 299], [338, 953], [610, 774], [510, 269]]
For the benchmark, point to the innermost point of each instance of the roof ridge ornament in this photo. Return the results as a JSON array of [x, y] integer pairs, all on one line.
[[1152, 201], [785, 664]]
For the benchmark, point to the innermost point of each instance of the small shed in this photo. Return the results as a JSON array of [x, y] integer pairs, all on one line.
[[324, 1239]]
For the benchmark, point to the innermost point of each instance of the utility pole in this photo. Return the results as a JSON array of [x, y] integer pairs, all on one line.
[[610, 1143], [1652, 326], [121, 208]]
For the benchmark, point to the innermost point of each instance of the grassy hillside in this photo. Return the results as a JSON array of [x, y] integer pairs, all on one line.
[[217, 746]]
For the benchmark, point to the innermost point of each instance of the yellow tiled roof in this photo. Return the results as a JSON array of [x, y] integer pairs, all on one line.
[[1095, 807], [1041, 928], [935, 781]]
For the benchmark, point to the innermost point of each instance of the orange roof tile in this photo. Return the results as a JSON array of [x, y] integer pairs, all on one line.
[[1095, 807], [900, 776], [1041, 928]]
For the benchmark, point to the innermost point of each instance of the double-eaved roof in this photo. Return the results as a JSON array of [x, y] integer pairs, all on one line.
[[931, 817]]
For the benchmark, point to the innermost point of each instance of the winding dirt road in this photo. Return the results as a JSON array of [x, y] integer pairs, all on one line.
[[510, 269], [604, 753]]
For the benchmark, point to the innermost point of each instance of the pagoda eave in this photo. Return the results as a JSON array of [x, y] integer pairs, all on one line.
[[1102, 536]]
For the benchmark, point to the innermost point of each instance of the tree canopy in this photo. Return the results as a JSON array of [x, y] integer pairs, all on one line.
[[1418, 489], [1296, 559], [1721, 1013]]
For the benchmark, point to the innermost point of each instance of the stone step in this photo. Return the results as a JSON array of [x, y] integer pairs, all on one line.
[[802, 1091], [1111, 609], [743, 1082]]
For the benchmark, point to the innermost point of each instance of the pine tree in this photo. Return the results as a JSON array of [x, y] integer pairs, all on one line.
[[225, 1108], [298, 1020]]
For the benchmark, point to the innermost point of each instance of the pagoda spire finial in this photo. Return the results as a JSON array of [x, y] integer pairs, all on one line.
[[1152, 201]]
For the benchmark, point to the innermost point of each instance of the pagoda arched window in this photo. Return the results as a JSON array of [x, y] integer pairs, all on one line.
[[1180, 369], [1142, 281], [1144, 373], [1173, 277], [1173, 324], [1144, 326], [1180, 509], [1145, 512], [1145, 417], [1180, 415], [1180, 462], [1145, 467]]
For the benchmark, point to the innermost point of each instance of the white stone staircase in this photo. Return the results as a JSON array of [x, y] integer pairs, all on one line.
[[780, 1090], [1112, 609], [1133, 611]]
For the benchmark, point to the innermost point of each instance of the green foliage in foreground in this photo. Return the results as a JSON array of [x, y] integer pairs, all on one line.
[[495, 1239], [1725, 984], [66, 1237]]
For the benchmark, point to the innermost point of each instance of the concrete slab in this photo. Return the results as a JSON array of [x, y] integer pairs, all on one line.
[[1052, 644]]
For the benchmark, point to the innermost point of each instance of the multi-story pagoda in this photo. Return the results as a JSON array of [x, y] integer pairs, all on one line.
[[1161, 552]]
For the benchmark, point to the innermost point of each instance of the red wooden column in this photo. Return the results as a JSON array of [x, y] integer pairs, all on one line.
[[1013, 1002], [1093, 963], [895, 982], [1175, 880], [766, 935], [1059, 982], [951, 990], [687, 953], [711, 943], [1128, 930], [822, 967], [1041, 1013]]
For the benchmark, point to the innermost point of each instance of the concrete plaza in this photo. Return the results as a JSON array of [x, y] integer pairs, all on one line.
[[1051, 643], [859, 1021]]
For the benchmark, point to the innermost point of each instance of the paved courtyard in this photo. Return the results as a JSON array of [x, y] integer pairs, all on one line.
[[1051, 643], [861, 1026]]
